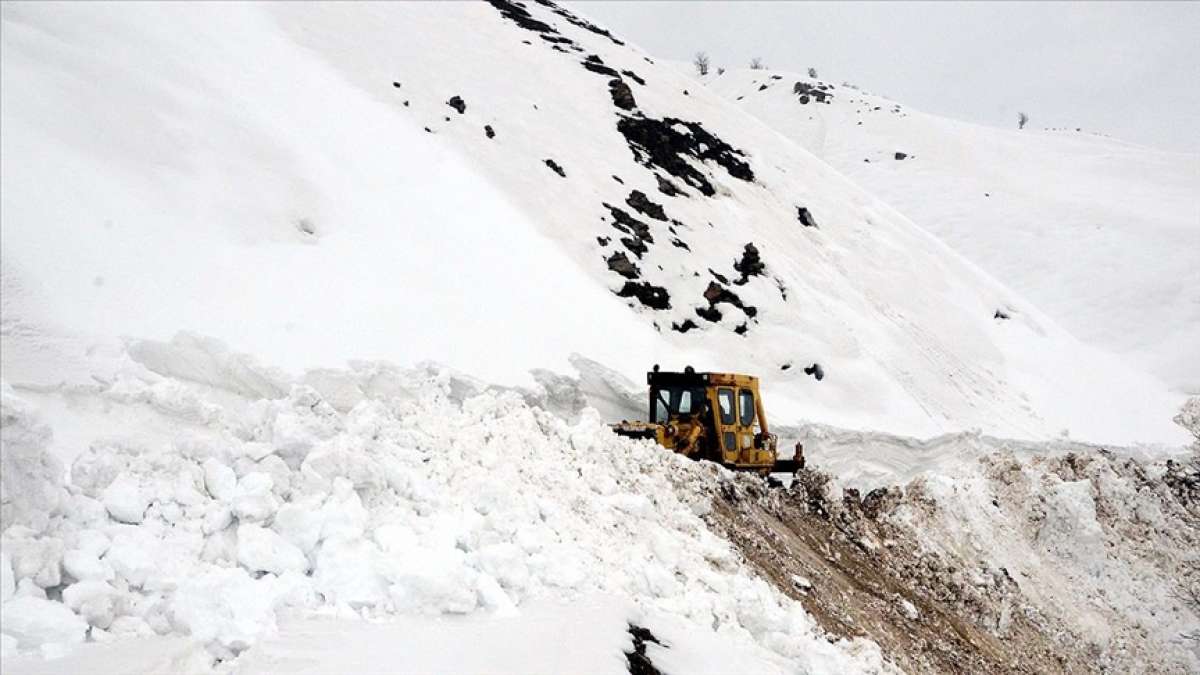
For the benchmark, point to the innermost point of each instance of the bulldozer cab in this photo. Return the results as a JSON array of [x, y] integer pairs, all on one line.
[[713, 416]]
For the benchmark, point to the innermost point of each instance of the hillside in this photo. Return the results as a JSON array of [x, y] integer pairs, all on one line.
[[141, 199], [1102, 235]]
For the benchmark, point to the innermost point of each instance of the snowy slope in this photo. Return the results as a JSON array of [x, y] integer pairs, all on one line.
[[386, 184], [1102, 235], [307, 161]]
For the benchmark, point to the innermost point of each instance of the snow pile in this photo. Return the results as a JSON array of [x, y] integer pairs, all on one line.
[[437, 498], [30, 478], [1105, 545]]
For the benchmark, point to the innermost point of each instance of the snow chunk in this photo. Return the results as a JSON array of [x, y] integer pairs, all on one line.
[[38, 559], [801, 584], [31, 488], [8, 646], [35, 622], [262, 550], [86, 565], [93, 600], [300, 523], [8, 580], [908, 609], [125, 500], [253, 500], [224, 608], [219, 480]]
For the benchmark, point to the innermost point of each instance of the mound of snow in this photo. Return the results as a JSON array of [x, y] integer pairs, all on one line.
[[425, 504]]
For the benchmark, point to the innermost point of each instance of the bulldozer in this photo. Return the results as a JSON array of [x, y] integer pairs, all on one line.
[[717, 417]]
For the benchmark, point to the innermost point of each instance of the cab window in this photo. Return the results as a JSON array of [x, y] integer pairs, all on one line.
[[725, 401], [746, 407], [673, 401]]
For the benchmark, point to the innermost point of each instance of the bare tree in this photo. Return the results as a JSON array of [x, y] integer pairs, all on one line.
[[720, 71], [757, 64], [1022, 120], [812, 72], [701, 63]]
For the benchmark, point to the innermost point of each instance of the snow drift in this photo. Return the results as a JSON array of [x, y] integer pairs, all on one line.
[[429, 496]]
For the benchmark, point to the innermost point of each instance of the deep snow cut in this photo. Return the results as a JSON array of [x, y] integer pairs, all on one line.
[[429, 496]]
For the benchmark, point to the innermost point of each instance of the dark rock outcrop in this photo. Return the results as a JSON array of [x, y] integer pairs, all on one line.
[[805, 217], [622, 95], [662, 144], [749, 265], [654, 297], [620, 263], [638, 201]]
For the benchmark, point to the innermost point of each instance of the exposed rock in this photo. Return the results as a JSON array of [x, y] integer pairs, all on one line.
[[622, 95], [666, 187], [662, 144], [709, 314], [816, 371], [654, 297], [805, 217], [716, 294], [458, 104], [489, 131], [679, 243], [517, 13], [620, 263], [805, 91], [555, 167], [751, 264], [638, 201], [900, 155], [596, 65], [628, 224], [581, 23], [684, 327], [638, 662], [633, 76], [1001, 314]]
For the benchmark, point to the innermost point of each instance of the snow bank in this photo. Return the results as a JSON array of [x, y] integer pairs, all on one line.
[[431, 501], [31, 478]]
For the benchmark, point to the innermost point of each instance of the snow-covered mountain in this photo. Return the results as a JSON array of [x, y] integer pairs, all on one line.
[[1101, 234], [236, 236], [493, 203]]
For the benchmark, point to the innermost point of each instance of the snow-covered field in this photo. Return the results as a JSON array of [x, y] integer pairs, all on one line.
[[1101, 234], [313, 315]]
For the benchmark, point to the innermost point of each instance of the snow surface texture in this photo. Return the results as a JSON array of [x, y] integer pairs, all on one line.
[[1101, 234], [429, 496], [328, 167], [1097, 541]]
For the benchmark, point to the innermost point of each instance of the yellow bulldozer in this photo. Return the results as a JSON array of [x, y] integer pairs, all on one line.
[[712, 416]]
